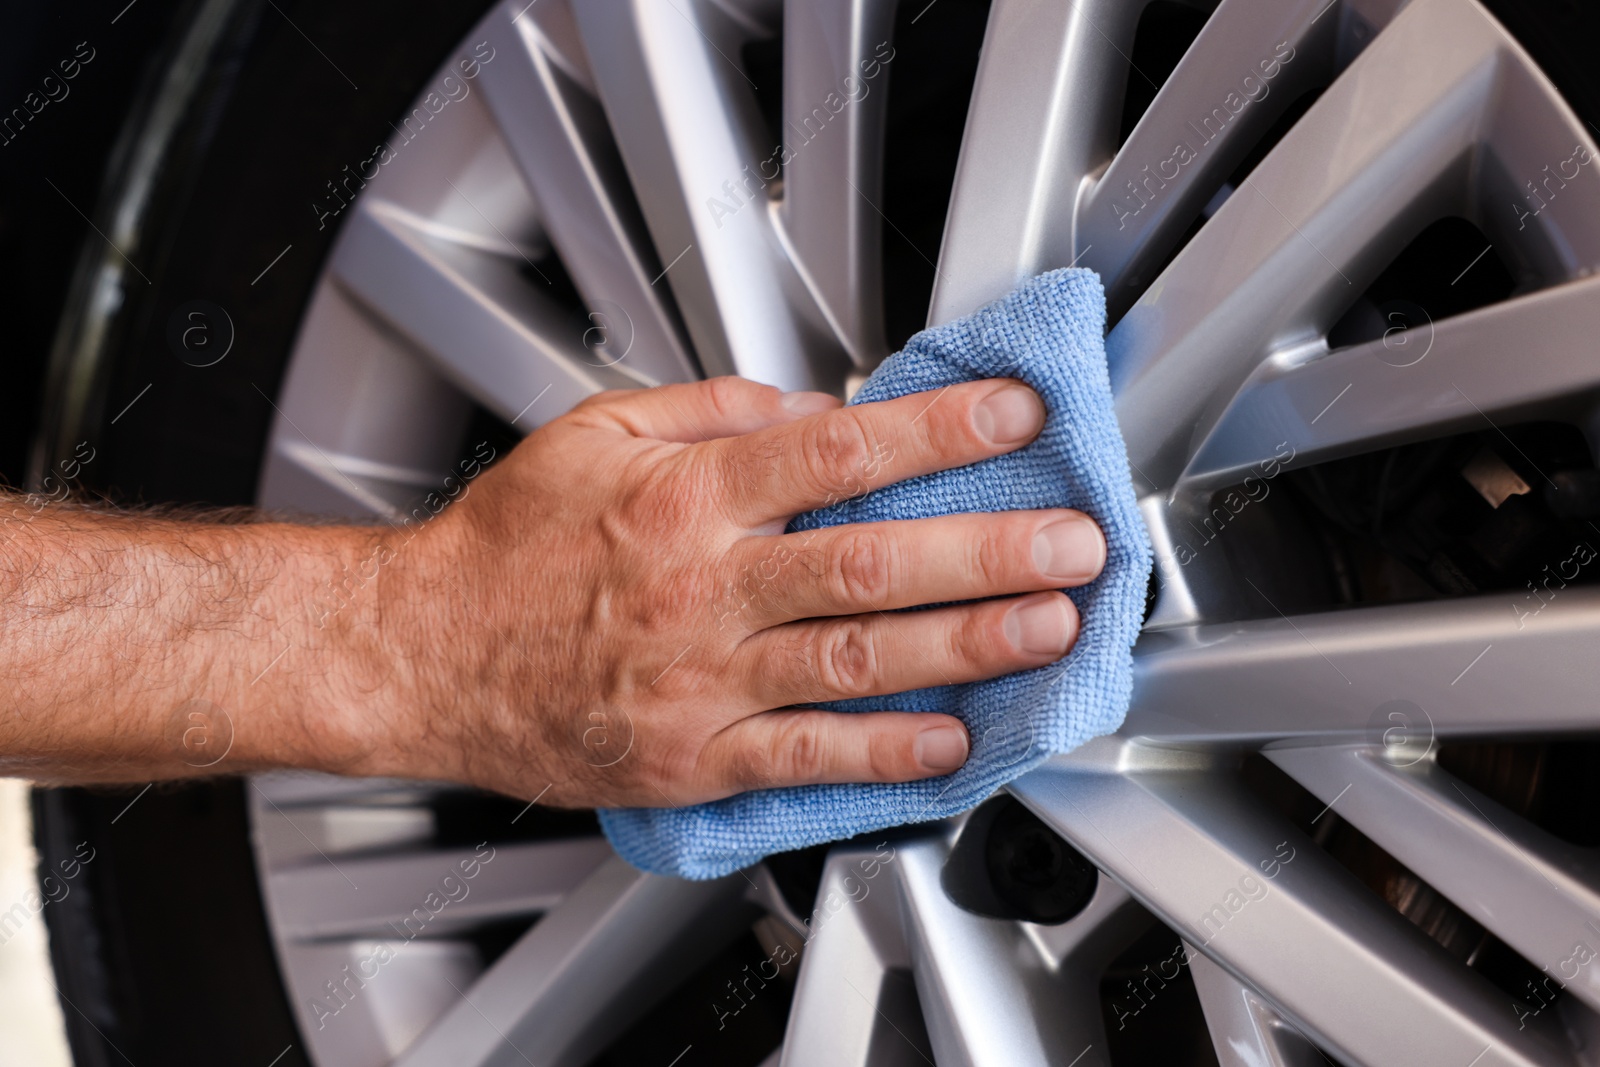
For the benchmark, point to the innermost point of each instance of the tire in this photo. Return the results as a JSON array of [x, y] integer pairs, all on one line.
[[163, 956], [241, 227]]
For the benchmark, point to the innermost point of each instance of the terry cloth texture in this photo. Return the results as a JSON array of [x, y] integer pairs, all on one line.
[[1050, 334]]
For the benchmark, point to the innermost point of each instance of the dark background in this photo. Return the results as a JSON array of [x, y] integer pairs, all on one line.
[[69, 143]]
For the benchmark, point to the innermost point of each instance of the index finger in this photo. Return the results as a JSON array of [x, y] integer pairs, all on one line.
[[822, 459]]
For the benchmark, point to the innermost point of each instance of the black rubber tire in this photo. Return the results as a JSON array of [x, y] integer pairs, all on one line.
[[161, 952]]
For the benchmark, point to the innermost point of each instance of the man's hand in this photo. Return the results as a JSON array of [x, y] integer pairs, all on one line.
[[613, 615], [615, 612]]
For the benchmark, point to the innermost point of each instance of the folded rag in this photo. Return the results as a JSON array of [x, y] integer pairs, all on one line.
[[1050, 334]]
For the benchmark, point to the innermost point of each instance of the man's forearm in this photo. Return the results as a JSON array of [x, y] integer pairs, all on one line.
[[138, 648], [611, 615]]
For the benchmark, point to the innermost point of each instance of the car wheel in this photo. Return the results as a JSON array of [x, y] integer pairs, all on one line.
[[1348, 249]]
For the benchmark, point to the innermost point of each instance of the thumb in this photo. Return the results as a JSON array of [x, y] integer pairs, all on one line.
[[700, 411]]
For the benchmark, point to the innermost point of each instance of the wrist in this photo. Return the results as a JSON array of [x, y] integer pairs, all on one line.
[[382, 699], [316, 680]]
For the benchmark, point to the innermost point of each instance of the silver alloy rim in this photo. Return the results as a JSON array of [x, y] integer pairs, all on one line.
[[1220, 355]]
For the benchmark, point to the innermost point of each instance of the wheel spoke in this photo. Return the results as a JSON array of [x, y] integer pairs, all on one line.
[[288, 788], [982, 984], [340, 466], [369, 421], [1539, 895], [1315, 221], [1245, 1030], [1450, 377], [420, 892], [854, 948], [321, 480], [289, 836], [1180, 153], [586, 971], [1044, 114], [685, 118], [366, 1001], [832, 184], [1200, 852], [471, 315], [1466, 664], [558, 136], [317, 483]]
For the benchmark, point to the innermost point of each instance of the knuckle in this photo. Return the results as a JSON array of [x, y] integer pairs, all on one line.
[[973, 639], [744, 469], [845, 658], [756, 585], [602, 398], [756, 768], [673, 764], [658, 501], [792, 753], [864, 570], [730, 395], [946, 427], [801, 754], [998, 544], [839, 452], [602, 409]]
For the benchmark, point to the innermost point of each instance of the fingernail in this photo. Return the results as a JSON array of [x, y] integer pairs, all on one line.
[[1041, 625], [941, 748], [1071, 550], [1010, 414], [808, 403]]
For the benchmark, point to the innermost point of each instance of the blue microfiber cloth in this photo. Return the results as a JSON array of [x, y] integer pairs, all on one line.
[[1050, 334]]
